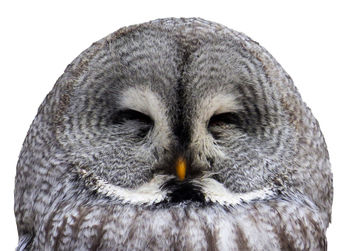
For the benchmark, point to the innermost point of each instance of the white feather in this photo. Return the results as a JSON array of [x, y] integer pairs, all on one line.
[[151, 192], [217, 192]]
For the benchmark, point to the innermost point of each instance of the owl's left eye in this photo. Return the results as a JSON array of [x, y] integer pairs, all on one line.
[[218, 123], [224, 119]]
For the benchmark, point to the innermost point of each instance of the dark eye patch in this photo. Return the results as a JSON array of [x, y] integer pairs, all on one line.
[[122, 116], [228, 118], [144, 122], [218, 123]]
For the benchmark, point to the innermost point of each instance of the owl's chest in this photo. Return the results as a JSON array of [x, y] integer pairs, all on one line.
[[174, 228]]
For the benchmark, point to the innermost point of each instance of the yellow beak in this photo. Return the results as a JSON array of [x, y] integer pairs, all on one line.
[[181, 168]]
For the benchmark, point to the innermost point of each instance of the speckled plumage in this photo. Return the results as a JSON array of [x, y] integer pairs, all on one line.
[[96, 171]]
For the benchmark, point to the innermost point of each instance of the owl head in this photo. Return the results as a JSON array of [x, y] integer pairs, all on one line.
[[171, 113]]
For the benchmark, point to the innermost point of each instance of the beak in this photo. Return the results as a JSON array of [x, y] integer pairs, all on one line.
[[181, 168]]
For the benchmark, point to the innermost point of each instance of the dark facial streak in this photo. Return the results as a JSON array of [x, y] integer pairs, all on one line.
[[181, 191], [180, 124]]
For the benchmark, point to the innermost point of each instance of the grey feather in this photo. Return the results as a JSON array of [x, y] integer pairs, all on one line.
[[96, 171]]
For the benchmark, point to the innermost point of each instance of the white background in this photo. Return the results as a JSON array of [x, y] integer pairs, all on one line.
[[310, 39]]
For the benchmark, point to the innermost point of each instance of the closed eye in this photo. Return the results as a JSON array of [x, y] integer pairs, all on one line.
[[220, 123], [222, 119], [131, 115]]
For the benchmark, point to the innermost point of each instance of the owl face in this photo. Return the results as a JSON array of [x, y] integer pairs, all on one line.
[[153, 97], [179, 120]]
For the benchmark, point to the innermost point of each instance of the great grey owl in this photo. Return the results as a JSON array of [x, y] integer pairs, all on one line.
[[176, 134]]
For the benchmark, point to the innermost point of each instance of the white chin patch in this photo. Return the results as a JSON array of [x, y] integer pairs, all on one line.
[[147, 194], [151, 193], [218, 193]]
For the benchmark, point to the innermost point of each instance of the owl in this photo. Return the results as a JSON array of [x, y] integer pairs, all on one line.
[[176, 134]]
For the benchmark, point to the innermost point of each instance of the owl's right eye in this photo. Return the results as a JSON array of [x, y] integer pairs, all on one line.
[[142, 122], [131, 115]]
